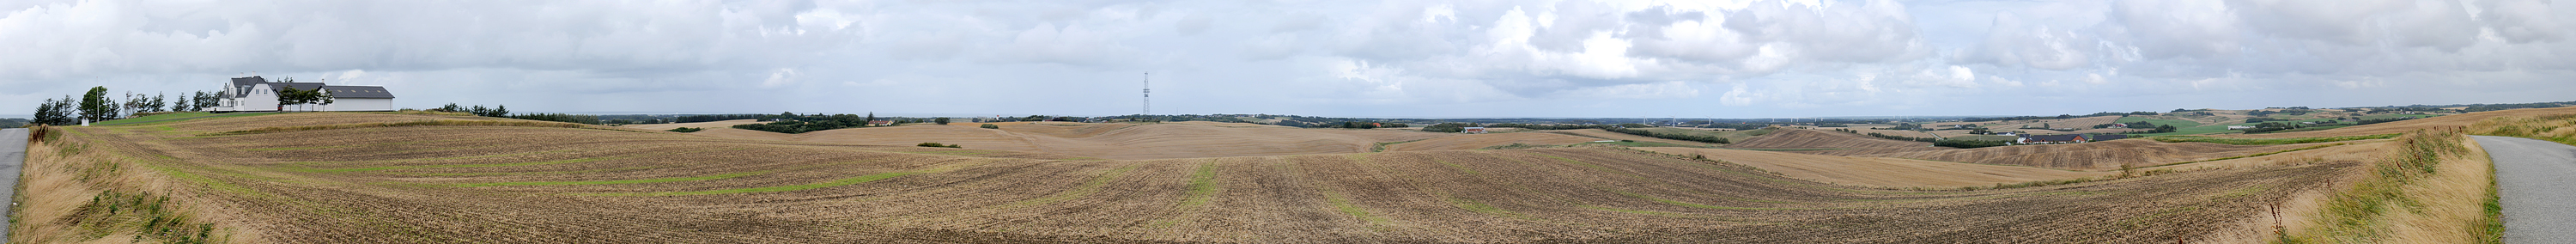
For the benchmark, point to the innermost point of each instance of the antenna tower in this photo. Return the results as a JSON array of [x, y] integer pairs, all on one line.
[[1149, 94]]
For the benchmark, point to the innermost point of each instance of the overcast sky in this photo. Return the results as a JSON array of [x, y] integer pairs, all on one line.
[[1752, 59]]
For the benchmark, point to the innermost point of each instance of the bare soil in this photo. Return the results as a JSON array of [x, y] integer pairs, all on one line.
[[449, 184]]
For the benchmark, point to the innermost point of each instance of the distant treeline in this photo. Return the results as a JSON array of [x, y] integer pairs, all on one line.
[[716, 117], [1620, 128], [503, 111]]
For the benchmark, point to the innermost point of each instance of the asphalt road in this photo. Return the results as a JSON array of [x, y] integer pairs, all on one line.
[[13, 153], [2536, 181]]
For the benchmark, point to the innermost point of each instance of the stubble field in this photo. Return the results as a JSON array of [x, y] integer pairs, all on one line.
[[520, 184]]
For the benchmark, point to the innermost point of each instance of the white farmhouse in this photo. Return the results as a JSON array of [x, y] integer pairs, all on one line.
[[253, 93]]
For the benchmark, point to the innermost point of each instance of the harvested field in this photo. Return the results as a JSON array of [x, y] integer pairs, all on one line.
[[708, 124], [1475, 141], [2457, 120], [1880, 172], [1607, 135], [2107, 155], [1800, 138], [492, 184], [1108, 140]]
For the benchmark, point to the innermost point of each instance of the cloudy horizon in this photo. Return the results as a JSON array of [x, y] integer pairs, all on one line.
[[1411, 59]]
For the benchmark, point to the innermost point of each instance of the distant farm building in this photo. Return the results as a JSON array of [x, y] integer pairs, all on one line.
[[1472, 130], [2050, 139], [880, 122], [257, 94], [2239, 127]]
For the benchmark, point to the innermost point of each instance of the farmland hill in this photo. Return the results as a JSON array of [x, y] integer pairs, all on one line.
[[1804, 138], [1107, 140], [414, 178]]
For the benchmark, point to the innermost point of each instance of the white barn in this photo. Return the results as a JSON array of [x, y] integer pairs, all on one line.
[[248, 94]]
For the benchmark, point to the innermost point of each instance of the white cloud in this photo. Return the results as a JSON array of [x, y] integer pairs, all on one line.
[[780, 77], [1395, 57]]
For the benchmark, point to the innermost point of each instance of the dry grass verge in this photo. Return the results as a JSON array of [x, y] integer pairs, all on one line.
[[2267, 141], [415, 123], [2435, 189], [73, 192]]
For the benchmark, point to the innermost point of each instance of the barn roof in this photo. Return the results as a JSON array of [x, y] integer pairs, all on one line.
[[2055, 137], [358, 92]]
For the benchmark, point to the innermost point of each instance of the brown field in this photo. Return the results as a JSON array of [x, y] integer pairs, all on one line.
[[708, 124], [496, 184], [2096, 156], [1801, 138], [1880, 172], [1106, 140], [1476, 141], [1607, 135], [2455, 120]]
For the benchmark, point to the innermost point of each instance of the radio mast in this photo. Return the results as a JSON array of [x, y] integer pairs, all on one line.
[[1149, 94]]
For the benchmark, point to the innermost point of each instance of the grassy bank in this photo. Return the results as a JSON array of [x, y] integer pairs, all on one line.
[[2437, 188], [75, 190]]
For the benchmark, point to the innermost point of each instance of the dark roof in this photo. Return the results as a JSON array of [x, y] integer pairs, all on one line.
[[297, 85], [245, 81], [2050, 138], [358, 92], [336, 91], [2107, 137]]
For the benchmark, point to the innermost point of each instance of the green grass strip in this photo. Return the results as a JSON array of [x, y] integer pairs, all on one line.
[[1344, 205], [2266, 141], [841, 182], [1203, 187], [611, 182], [1086, 189], [566, 161]]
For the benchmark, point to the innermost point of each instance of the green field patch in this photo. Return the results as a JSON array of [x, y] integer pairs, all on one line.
[[2267, 141], [611, 182], [840, 182], [1343, 204], [1087, 188], [2173, 122], [1203, 187], [566, 161]]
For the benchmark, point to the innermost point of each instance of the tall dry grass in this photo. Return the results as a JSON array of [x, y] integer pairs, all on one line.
[[2436, 187], [512, 123], [74, 190], [2559, 128]]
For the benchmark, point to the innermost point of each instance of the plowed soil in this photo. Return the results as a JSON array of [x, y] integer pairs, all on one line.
[[460, 184], [2107, 155], [1802, 138], [1476, 141], [1108, 140], [1880, 172]]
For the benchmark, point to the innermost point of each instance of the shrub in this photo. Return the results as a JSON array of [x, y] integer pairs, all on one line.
[[990, 126], [935, 144], [686, 129]]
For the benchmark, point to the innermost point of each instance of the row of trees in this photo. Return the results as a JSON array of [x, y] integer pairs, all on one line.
[[792, 123], [503, 111], [96, 105]]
